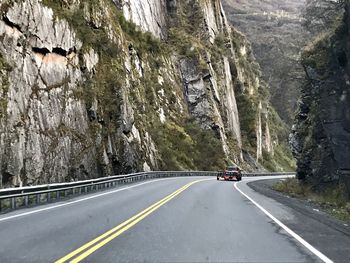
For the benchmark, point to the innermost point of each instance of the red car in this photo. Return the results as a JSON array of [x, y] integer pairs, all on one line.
[[232, 173]]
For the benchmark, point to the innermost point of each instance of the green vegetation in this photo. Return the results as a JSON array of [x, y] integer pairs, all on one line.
[[281, 161], [281, 130], [186, 45], [4, 84], [282, 158], [144, 41], [248, 112], [93, 36], [188, 146], [334, 200], [317, 53]]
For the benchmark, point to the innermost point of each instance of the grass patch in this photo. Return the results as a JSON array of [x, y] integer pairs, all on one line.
[[188, 146], [96, 37], [281, 161], [4, 84], [333, 200]]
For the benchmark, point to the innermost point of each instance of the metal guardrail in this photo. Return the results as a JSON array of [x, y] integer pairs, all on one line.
[[13, 198], [268, 174]]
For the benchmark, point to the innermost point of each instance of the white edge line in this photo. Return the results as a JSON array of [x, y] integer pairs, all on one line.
[[288, 230], [81, 200]]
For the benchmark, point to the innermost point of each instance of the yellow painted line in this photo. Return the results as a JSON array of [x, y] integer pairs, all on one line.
[[77, 251], [107, 237]]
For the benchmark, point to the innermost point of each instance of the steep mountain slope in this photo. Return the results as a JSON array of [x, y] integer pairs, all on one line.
[[274, 27], [85, 93], [321, 134]]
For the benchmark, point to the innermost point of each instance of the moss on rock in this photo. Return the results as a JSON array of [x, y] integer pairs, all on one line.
[[5, 68]]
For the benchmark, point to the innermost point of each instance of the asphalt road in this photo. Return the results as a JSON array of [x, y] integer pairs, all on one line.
[[207, 221]]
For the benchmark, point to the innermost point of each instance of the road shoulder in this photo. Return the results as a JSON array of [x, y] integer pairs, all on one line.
[[327, 233]]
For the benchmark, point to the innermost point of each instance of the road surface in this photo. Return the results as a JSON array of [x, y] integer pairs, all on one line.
[[195, 219]]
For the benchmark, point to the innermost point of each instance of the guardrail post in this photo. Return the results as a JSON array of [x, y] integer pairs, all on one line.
[[37, 199], [48, 197], [13, 203], [26, 200]]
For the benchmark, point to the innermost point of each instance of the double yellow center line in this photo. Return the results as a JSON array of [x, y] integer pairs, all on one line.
[[90, 247]]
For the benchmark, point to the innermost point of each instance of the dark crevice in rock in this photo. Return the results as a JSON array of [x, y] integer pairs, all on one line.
[[60, 51], [43, 51], [126, 133], [342, 59], [92, 114], [57, 50], [216, 129], [11, 24], [92, 25], [207, 77], [72, 50], [6, 177]]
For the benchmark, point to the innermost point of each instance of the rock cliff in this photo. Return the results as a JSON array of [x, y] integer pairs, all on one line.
[[321, 134], [274, 27], [92, 88]]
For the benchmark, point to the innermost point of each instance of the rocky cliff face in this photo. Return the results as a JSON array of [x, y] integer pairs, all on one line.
[[321, 134], [92, 88], [274, 27], [149, 15]]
